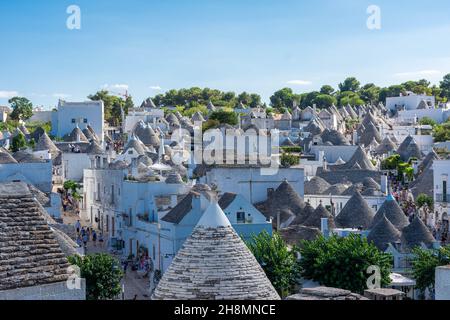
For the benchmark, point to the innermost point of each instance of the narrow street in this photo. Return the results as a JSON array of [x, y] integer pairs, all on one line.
[[135, 286]]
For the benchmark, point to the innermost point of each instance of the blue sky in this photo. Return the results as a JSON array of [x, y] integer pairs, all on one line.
[[256, 46]]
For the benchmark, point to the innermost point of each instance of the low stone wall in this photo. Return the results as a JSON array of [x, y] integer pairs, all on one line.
[[52, 291]]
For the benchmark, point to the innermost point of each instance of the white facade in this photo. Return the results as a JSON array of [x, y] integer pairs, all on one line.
[[408, 102], [73, 165], [251, 183], [441, 192], [71, 114], [411, 116], [147, 116]]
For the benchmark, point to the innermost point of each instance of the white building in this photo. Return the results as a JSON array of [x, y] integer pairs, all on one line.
[[251, 182], [410, 101], [441, 192], [70, 114], [147, 115]]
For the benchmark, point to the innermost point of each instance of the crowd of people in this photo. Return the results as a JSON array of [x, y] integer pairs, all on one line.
[[88, 234]]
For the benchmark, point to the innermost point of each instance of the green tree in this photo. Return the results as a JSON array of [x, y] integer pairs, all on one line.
[[351, 98], [18, 142], [22, 108], [441, 133], [278, 262], [424, 264], [392, 91], [230, 118], [284, 98], [288, 159], [350, 84], [72, 187], [129, 104], [327, 89], [370, 93], [445, 87], [103, 274], [342, 262], [325, 101], [423, 199], [309, 99], [427, 121], [112, 106]]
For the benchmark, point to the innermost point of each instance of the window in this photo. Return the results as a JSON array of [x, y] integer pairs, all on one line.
[[240, 217], [375, 207], [112, 194], [444, 191], [73, 120], [85, 120], [154, 253]]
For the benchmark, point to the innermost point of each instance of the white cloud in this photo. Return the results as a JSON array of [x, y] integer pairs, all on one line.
[[123, 87], [8, 94], [299, 82], [155, 87], [61, 95], [421, 73]]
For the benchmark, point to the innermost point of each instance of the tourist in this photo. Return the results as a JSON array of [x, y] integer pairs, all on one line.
[[64, 204], [85, 240], [79, 241], [78, 226], [94, 237]]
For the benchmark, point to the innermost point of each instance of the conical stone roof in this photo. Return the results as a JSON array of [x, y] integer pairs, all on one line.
[[316, 185], [94, 148], [172, 119], [356, 213], [315, 219], [392, 211], [6, 157], [386, 146], [383, 233], [198, 117], [73, 136], [45, 143], [308, 210], [416, 233], [214, 264], [136, 145]]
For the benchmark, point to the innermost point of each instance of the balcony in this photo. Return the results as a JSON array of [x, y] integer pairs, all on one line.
[[442, 198]]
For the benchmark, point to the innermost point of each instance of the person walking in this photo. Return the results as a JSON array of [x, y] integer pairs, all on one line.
[[78, 226], [85, 240], [94, 238]]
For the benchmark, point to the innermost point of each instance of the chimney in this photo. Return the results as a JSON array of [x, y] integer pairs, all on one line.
[[324, 227], [384, 184]]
